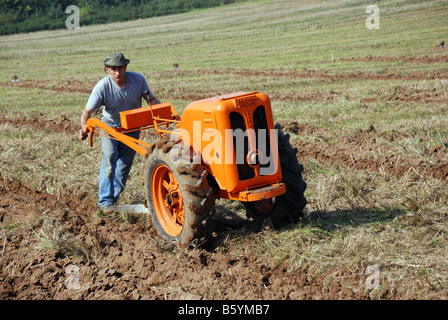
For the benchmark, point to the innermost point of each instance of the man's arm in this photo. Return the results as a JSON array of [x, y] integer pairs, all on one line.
[[86, 114]]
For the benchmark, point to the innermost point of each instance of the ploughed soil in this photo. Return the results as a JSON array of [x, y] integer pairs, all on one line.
[[128, 261]]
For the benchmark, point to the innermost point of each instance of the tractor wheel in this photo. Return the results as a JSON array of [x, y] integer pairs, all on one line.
[[288, 207], [179, 199]]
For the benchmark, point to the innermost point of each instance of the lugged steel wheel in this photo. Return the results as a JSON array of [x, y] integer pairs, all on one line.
[[178, 196], [287, 207]]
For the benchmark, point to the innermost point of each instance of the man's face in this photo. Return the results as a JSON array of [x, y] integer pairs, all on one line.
[[117, 73]]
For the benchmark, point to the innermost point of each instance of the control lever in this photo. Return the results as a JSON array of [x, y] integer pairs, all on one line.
[[147, 97]]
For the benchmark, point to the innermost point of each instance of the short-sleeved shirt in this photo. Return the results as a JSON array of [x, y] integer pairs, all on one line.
[[115, 99]]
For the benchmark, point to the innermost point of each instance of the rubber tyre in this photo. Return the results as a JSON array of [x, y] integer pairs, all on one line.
[[194, 195], [287, 208]]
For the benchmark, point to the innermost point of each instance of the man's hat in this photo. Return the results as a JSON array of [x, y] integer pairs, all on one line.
[[116, 60]]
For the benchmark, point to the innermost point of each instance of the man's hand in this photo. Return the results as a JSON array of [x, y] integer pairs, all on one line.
[[86, 114], [82, 135]]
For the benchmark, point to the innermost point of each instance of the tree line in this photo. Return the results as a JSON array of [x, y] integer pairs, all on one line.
[[19, 16]]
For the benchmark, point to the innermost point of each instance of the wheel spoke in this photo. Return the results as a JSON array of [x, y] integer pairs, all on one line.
[[166, 185], [173, 181]]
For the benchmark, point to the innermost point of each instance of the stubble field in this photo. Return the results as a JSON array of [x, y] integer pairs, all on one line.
[[366, 108]]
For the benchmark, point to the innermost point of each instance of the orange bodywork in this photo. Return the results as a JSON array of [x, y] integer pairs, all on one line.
[[233, 134]]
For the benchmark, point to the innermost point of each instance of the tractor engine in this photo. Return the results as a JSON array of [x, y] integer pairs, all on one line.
[[236, 139]]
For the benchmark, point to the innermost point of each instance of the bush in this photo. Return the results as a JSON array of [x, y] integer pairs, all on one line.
[[15, 18]]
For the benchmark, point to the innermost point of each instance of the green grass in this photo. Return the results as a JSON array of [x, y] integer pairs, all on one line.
[[226, 38], [28, 101]]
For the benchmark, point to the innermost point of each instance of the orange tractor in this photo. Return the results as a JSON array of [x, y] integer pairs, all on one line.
[[222, 147]]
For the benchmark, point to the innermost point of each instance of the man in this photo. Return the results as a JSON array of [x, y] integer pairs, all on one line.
[[121, 90]]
